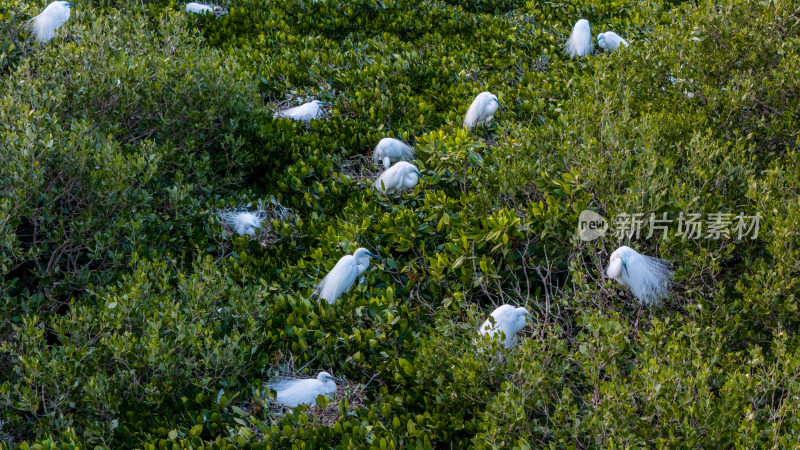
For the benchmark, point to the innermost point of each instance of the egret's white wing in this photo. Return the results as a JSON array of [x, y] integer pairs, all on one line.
[[475, 113], [339, 279], [45, 24], [198, 8], [648, 278], [393, 149], [295, 392], [304, 113]]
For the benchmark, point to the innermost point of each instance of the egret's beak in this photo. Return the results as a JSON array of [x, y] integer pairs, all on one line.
[[372, 255], [337, 379], [323, 103], [70, 4], [625, 267], [418, 174]]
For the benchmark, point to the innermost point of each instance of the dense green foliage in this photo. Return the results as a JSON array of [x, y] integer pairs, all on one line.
[[131, 319]]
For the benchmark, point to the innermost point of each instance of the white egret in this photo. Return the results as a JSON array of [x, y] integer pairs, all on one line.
[[391, 150], [199, 8], [243, 222], [344, 274], [481, 111], [303, 113], [648, 278], [44, 25], [403, 175], [508, 320], [580, 41], [303, 391], [610, 41]]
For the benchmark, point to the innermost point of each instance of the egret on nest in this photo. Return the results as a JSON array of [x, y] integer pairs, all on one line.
[[198, 8], [481, 111], [391, 150], [344, 274], [508, 320], [610, 41], [44, 25], [243, 222], [303, 113], [580, 41], [648, 278], [303, 391], [401, 176]]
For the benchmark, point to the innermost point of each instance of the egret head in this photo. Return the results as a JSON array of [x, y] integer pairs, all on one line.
[[618, 265], [601, 40], [68, 5], [494, 98], [364, 253], [325, 377]]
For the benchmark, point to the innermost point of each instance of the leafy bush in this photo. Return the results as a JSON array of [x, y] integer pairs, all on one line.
[[134, 320]]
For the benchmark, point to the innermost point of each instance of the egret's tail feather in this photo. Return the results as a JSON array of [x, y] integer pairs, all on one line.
[[655, 282]]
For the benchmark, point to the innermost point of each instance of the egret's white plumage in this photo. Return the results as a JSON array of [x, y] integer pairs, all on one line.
[[481, 111], [508, 320], [580, 41], [44, 25], [344, 274], [243, 222], [303, 113], [199, 8], [403, 175], [391, 150], [610, 41], [303, 391], [648, 278]]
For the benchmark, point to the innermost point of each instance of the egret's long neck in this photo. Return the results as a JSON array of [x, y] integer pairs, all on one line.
[[362, 263]]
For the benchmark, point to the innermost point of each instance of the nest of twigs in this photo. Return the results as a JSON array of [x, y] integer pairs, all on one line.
[[268, 213], [361, 168], [354, 393]]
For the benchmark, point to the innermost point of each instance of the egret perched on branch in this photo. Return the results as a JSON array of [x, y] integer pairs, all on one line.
[[243, 222], [304, 391], [391, 150], [580, 41], [303, 113], [508, 320], [44, 25], [610, 41], [648, 278], [481, 111], [401, 176], [344, 274]]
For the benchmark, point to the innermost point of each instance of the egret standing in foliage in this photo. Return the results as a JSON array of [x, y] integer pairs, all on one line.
[[293, 392], [401, 176], [391, 150], [303, 113], [243, 222], [44, 25], [610, 41], [481, 111], [580, 41], [508, 320], [344, 274], [648, 278]]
